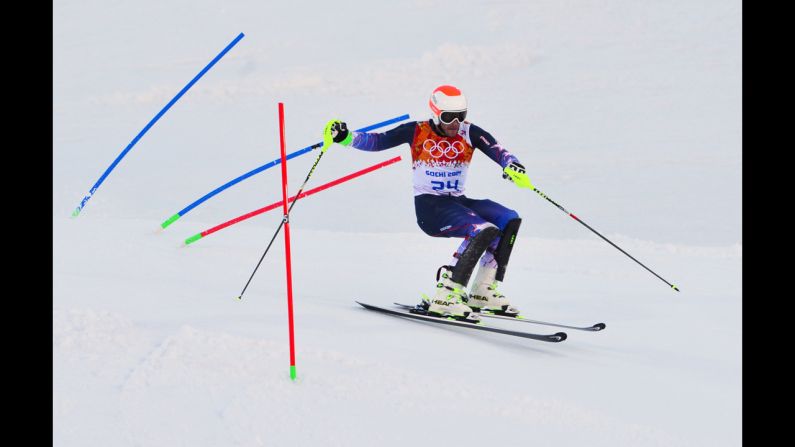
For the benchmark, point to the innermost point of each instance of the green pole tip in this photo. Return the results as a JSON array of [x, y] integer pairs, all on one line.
[[193, 239], [170, 221], [76, 212], [292, 372], [675, 288]]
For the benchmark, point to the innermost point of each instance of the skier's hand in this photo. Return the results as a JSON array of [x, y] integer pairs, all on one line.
[[515, 172], [337, 131]]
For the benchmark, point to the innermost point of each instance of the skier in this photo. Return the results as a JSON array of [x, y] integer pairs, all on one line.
[[441, 149]]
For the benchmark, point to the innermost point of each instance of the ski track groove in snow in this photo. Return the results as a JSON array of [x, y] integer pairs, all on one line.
[[238, 387]]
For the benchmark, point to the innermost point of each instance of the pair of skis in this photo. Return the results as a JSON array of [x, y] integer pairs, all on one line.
[[414, 312]]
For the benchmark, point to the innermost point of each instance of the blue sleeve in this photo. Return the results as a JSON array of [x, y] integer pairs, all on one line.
[[372, 142], [489, 145]]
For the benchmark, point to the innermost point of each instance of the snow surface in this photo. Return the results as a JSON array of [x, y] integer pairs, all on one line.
[[627, 113]]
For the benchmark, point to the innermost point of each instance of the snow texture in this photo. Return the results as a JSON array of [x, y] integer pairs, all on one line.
[[627, 113]]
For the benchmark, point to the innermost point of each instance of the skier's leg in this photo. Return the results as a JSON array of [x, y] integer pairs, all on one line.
[[451, 295], [508, 221], [491, 211], [445, 216], [483, 293]]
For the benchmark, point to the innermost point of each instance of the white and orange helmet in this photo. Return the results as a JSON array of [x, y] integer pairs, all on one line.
[[448, 103]]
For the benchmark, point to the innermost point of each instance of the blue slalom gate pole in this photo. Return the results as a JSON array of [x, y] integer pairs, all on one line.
[[93, 190], [270, 164]]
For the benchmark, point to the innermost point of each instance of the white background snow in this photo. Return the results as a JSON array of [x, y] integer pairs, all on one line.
[[626, 112]]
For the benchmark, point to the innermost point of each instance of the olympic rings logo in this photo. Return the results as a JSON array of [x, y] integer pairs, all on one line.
[[437, 149]]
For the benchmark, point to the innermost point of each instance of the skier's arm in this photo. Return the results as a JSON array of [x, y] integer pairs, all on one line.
[[512, 169], [489, 145], [371, 142]]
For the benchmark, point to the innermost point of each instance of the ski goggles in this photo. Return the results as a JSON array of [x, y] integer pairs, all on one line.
[[449, 117]]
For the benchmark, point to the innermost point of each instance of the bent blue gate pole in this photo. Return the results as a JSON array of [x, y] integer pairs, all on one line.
[[270, 164], [93, 190]]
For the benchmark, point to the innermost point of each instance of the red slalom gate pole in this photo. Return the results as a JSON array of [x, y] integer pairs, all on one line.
[[300, 195], [287, 242]]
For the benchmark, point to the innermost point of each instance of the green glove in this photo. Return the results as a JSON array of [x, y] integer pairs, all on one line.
[[337, 131], [515, 173]]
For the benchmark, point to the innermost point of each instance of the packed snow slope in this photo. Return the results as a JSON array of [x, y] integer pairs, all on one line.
[[626, 113]]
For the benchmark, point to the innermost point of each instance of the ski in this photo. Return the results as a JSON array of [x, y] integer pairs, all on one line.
[[596, 327], [554, 338]]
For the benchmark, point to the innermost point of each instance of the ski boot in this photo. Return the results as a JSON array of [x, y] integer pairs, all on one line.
[[485, 296], [449, 298]]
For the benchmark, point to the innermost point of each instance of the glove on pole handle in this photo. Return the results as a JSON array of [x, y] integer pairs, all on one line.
[[597, 233]]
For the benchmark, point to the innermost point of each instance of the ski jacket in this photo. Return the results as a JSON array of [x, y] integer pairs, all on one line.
[[440, 163]]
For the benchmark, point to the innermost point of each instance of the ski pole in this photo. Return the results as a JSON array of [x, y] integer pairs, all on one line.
[[597, 233], [327, 141]]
